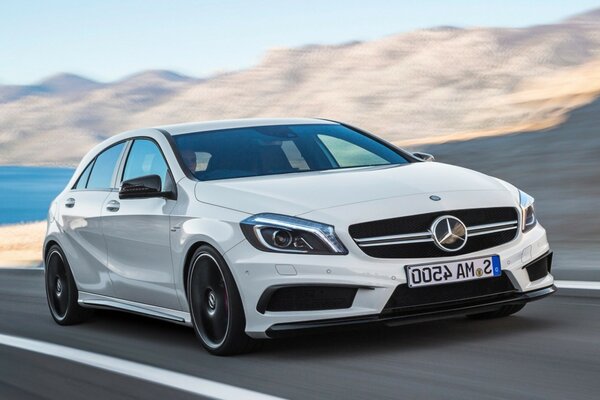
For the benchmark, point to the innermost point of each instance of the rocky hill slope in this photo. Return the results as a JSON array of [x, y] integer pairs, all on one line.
[[424, 86]]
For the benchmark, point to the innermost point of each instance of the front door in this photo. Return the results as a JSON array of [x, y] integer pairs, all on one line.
[[137, 234]]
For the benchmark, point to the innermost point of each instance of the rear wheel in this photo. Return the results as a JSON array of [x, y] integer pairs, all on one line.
[[503, 311], [61, 290], [215, 305]]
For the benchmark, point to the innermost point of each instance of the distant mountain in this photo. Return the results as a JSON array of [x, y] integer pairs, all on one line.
[[429, 85], [592, 17], [158, 75], [67, 83], [56, 85]]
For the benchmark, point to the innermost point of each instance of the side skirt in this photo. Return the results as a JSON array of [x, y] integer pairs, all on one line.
[[91, 300]]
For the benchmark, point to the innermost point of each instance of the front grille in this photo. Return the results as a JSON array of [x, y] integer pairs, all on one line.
[[407, 300], [410, 237], [307, 298]]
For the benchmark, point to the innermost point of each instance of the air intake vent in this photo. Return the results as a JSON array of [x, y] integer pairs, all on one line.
[[306, 298], [405, 300], [539, 268]]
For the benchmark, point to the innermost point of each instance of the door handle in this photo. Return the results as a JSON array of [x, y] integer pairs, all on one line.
[[70, 202], [113, 206]]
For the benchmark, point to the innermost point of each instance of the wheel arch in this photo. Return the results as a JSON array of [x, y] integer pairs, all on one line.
[[188, 261], [47, 245]]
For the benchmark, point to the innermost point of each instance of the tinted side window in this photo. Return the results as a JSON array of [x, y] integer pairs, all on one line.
[[144, 159], [83, 179], [102, 172]]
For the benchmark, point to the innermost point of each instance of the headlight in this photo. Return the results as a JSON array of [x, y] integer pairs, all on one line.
[[284, 234], [527, 211]]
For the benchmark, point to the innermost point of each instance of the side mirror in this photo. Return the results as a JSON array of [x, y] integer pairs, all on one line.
[[423, 156], [142, 187]]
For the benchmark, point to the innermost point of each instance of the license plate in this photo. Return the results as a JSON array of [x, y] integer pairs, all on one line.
[[455, 271]]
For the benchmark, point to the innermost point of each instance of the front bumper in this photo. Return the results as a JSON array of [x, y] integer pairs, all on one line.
[[376, 279], [468, 306]]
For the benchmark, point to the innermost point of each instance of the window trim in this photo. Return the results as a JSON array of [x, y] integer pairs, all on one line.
[[89, 165], [186, 171], [112, 179], [121, 168]]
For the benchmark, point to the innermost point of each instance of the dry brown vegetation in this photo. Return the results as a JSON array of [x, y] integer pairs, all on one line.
[[21, 244]]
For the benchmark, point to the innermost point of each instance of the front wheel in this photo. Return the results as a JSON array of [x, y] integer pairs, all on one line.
[[215, 305], [61, 290]]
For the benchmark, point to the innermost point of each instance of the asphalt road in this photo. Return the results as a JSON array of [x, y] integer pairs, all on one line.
[[551, 350]]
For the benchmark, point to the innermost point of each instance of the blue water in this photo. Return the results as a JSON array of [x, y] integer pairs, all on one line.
[[26, 192]]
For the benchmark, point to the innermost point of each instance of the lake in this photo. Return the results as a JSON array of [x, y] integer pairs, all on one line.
[[26, 192]]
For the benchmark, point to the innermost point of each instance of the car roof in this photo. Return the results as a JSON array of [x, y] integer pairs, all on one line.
[[180, 129]]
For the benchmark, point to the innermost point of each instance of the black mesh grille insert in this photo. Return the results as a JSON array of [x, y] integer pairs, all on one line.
[[422, 223], [310, 298], [407, 300]]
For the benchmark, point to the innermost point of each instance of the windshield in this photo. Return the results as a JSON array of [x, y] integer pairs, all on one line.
[[280, 149]]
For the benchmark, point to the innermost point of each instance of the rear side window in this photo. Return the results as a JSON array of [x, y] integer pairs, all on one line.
[[145, 158], [83, 179], [104, 167]]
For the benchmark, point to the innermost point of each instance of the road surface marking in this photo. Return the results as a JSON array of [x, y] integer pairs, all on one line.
[[176, 380], [591, 285]]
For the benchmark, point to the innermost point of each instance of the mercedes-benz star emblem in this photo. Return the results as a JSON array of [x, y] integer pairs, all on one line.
[[449, 233], [212, 301]]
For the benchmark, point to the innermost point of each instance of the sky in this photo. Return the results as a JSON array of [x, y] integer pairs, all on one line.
[[110, 39]]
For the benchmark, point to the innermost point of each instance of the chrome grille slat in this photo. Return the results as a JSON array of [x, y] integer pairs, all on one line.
[[387, 243], [479, 233], [491, 226], [395, 237]]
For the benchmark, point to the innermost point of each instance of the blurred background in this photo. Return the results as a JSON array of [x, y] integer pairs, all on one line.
[[509, 88]]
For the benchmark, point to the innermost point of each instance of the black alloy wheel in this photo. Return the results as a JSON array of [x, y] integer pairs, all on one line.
[[215, 305], [61, 290]]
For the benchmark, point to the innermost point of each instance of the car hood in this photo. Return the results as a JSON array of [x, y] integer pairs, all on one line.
[[299, 193]]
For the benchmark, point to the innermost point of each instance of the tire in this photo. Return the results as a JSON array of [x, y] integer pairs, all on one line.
[[61, 290], [503, 311], [215, 305]]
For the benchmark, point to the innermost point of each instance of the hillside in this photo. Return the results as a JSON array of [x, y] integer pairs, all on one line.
[[419, 87]]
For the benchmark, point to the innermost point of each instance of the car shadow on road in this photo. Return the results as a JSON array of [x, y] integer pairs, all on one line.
[[433, 334], [343, 343]]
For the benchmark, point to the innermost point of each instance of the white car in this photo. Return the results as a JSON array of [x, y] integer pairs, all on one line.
[[257, 228]]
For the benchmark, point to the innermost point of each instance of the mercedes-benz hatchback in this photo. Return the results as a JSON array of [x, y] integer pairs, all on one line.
[[249, 229]]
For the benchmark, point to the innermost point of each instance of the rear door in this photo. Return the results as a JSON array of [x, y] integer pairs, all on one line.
[[80, 219], [137, 233]]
